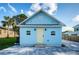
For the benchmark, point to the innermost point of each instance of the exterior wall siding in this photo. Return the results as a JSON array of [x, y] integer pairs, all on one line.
[[49, 40], [41, 18], [27, 40], [3, 33]]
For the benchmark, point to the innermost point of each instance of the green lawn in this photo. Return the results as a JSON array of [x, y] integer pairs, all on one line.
[[7, 42]]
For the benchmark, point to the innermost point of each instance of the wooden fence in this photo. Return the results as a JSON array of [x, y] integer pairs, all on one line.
[[71, 38]]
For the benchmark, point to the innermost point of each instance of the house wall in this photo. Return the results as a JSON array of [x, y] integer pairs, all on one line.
[[49, 40], [3, 33], [11, 33], [72, 33], [27, 40], [7, 33], [76, 29]]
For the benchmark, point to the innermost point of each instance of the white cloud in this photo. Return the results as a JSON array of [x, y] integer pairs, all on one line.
[[29, 13], [67, 28], [2, 8], [12, 8], [35, 7], [22, 11], [50, 8], [76, 18]]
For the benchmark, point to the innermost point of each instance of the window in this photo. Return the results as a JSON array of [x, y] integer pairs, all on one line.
[[77, 29], [34, 29], [45, 29], [52, 32], [28, 32]]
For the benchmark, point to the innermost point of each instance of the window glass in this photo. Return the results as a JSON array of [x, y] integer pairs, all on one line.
[[52, 32], [45, 29], [77, 29], [34, 29], [28, 32]]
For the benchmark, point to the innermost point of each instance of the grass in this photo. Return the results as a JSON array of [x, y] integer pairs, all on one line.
[[7, 42]]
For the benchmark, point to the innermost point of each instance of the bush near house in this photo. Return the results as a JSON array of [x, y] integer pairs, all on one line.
[[71, 38], [7, 42]]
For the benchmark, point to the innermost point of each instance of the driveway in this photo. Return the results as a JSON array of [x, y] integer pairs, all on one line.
[[72, 48]]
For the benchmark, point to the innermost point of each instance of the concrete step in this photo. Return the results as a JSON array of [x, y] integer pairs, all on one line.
[[40, 45]]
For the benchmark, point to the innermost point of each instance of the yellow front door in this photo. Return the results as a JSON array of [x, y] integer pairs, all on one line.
[[40, 35]]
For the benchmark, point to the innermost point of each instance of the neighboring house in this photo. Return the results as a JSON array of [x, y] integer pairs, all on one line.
[[7, 33], [75, 32], [76, 28], [41, 29]]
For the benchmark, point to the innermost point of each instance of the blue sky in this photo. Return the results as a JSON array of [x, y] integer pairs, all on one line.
[[66, 12]]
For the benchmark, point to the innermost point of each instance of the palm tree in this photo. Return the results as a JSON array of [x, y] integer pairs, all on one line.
[[4, 24], [8, 23], [11, 23], [19, 18], [22, 17]]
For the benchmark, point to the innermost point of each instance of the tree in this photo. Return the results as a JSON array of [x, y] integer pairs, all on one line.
[[11, 22], [6, 23], [19, 18], [3, 24]]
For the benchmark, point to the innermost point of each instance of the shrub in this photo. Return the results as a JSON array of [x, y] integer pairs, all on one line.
[[7, 42], [63, 45]]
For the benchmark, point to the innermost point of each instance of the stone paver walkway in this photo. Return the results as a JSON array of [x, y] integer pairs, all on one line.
[[72, 48]]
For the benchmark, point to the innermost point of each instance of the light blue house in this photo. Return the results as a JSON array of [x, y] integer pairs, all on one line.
[[41, 29]]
